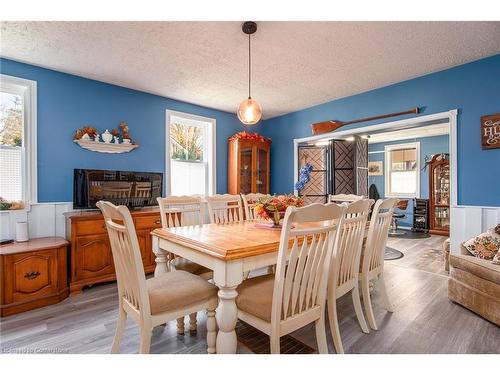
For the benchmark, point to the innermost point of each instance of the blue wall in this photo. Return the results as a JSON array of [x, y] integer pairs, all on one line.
[[473, 89], [67, 102], [428, 147]]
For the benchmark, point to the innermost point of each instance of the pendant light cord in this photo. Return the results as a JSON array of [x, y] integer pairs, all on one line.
[[249, 66]]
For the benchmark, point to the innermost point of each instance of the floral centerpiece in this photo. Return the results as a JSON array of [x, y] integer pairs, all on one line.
[[273, 207]]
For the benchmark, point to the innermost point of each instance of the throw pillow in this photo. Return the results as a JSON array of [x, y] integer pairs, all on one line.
[[485, 245]]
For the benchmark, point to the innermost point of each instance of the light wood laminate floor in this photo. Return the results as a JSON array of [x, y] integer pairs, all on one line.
[[424, 320]]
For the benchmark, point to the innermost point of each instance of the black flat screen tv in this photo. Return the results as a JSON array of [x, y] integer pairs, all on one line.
[[132, 189]]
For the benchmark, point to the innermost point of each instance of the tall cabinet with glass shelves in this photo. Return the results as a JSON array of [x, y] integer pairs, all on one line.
[[248, 166], [439, 194]]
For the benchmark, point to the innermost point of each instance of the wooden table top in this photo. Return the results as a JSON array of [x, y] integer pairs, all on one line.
[[34, 244], [225, 241]]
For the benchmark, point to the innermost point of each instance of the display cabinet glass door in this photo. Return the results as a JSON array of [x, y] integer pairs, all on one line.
[[441, 186], [246, 170], [262, 170]]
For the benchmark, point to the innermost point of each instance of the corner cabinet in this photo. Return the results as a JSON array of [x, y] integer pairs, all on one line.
[[91, 258], [248, 166], [439, 195]]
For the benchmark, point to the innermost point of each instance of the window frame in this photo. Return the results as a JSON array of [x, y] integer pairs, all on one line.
[[28, 90], [211, 154], [387, 169]]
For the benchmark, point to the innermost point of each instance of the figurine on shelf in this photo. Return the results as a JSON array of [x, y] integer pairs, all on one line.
[[115, 133], [107, 137], [125, 135]]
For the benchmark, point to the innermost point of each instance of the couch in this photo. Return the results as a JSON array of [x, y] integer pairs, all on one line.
[[475, 284]]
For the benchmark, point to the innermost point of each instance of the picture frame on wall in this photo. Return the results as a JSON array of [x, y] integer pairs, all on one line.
[[375, 168]]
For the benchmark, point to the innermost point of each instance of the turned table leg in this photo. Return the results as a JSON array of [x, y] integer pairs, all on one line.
[[162, 258], [226, 315]]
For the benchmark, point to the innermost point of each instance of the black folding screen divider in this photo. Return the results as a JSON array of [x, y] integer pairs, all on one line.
[[340, 167]]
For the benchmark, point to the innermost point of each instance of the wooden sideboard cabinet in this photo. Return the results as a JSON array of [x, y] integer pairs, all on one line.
[[33, 274], [91, 257], [248, 166]]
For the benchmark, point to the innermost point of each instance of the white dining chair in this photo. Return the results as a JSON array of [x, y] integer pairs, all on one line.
[[249, 201], [158, 300], [225, 208], [177, 211], [341, 198], [295, 296], [372, 260], [345, 267]]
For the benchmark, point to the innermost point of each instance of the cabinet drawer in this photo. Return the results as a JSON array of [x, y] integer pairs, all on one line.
[[147, 222], [30, 275], [86, 227]]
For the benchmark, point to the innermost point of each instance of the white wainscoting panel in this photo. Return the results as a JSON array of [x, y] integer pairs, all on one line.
[[468, 221], [44, 220]]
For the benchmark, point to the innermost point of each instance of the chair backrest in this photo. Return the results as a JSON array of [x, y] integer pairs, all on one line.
[[378, 231], [225, 208], [340, 198], [249, 201], [129, 268], [180, 211], [348, 252], [301, 279]]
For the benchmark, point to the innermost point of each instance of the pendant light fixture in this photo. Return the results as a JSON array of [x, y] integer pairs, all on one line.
[[249, 111]]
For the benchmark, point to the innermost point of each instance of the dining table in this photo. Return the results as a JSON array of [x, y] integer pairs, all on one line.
[[231, 251]]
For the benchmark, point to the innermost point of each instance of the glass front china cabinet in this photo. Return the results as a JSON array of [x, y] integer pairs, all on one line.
[[439, 194], [248, 166]]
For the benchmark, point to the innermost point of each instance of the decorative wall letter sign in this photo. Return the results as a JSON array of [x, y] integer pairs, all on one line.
[[490, 131]]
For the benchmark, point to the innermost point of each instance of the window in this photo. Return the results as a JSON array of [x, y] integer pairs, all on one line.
[[17, 142], [190, 154], [402, 170]]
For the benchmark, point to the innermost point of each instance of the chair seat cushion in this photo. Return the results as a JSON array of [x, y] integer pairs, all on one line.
[[255, 296], [182, 264], [178, 289], [479, 267]]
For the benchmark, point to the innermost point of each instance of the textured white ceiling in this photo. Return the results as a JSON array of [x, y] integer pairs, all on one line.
[[295, 64]]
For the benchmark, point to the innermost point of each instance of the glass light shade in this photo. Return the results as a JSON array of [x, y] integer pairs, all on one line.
[[249, 112]]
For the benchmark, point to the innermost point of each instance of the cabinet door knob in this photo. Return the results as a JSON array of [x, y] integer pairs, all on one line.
[[31, 275], [158, 222]]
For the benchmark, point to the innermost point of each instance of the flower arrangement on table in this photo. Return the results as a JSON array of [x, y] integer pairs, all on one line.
[[250, 136], [273, 207]]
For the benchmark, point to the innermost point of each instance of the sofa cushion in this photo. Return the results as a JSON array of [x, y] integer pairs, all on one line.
[[485, 245], [480, 267]]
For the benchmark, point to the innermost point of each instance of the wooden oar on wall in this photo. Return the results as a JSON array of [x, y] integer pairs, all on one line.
[[331, 125]]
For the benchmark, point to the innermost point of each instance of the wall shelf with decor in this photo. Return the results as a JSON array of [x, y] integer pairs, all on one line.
[[114, 142], [110, 148]]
